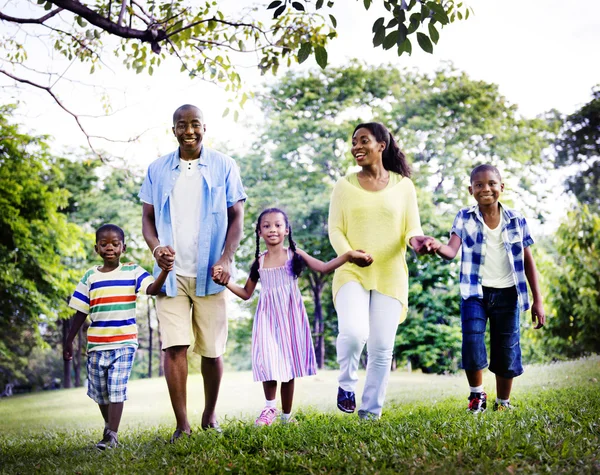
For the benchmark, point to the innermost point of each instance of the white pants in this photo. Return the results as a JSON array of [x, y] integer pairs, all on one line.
[[372, 318]]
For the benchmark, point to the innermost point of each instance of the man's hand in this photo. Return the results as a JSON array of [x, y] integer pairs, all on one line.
[[165, 257], [68, 351], [221, 271]]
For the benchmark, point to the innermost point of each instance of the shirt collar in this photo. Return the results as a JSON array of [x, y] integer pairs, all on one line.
[[175, 158], [506, 214]]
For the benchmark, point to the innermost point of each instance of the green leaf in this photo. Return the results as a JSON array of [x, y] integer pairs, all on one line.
[[225, 112], [390, 40], [274, 4], [378, 24], [298, 6], [405, 46], [378, 37], [304, 52], [279, 11], [236, 116], [402, 34], [367, 4], [424, 43], [333, 21], [319, 4], [321, 56], [433, 33], [80, 21]]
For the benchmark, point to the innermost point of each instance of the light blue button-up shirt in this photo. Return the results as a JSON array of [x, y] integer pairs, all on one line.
[[221, 188]]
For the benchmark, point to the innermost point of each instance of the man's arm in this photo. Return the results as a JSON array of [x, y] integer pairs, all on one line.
[[164, 255], [235, 223]]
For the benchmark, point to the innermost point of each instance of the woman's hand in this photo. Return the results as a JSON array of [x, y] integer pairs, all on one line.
[[360, 258]]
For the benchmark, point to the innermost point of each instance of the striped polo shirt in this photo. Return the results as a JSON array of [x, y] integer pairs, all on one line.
[[109, 299]]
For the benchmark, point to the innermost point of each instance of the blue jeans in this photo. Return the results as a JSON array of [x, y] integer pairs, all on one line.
[[501, 308]]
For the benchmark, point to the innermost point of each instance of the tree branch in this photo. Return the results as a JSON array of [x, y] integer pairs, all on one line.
[[122, 12], [40, 20], [61, 105]]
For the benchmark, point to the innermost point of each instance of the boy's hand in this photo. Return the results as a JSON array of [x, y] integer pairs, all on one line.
[[360, 258], [537, 313], [68, 351], [422, 244]]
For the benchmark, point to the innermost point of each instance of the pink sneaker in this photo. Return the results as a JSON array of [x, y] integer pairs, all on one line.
[[267, 417]]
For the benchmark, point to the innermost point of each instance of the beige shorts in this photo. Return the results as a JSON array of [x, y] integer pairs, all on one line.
[[188, 319]]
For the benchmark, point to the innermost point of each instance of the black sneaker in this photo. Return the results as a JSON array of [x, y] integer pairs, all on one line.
[[503, 406], [477, 403]]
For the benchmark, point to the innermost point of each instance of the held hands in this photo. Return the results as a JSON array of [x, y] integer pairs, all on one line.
[[537, 313], [68, 351], [165, 257], [221, 272], [425, 244], [360, 258]]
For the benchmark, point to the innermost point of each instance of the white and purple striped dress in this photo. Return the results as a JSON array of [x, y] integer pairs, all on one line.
[[282, 346]]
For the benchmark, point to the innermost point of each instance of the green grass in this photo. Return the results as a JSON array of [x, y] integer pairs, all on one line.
[[425, 429]]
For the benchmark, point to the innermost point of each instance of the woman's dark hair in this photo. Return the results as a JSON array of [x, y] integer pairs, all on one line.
[[297, 261], [393, 158]]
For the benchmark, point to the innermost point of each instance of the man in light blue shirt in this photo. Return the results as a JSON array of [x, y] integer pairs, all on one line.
[[193, 213]]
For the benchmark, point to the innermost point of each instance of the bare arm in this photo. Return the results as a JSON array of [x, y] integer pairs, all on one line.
[[77, 322], [244, 292], [447, 251], [327, 267], [164, 255], [154, 287], [235, 222], [537, 309]]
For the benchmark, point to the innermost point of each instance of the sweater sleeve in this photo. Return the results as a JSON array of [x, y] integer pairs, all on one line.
[[413, 221], [336, 224]]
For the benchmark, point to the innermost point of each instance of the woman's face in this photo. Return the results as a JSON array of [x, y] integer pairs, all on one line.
[[365, 148]]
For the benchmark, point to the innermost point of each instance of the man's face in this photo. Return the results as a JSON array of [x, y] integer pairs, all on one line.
[[189, 130]]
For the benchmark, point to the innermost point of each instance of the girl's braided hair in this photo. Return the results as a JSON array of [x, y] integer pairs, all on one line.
[[297, 261], [393, 158]]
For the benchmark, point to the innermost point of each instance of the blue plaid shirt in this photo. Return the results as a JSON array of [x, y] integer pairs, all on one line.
[[221, 189], [468, 226]]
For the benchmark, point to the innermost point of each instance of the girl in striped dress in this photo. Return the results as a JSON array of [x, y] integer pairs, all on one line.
[[282, 347]]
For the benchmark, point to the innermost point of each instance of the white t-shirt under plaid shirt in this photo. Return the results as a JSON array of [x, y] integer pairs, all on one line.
[[469, 227], [109, 299]]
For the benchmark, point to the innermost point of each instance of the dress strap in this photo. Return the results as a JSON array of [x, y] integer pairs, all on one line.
[[261, 260]]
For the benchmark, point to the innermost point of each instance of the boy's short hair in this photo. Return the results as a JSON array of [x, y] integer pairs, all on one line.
[[486, 167], [110, 227]]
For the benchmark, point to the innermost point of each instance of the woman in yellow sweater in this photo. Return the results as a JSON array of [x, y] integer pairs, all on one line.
[[374, 210]]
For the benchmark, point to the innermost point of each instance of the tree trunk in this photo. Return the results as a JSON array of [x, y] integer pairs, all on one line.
[[66, 325], [316, 285], [150, 355]]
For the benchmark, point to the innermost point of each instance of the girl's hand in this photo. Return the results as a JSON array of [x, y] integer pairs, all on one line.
[[360, 258], [217, 270]]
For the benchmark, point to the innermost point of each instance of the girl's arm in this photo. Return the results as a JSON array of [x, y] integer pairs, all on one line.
[[75, 326], [154, 287], [244, 292], [537, 309], [447, 251], [333, 264]]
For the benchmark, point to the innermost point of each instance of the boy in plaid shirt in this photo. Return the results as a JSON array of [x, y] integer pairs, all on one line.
[[107, 293], [496, 265]]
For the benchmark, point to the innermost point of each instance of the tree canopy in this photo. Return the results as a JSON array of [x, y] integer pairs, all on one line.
[[205, 37]]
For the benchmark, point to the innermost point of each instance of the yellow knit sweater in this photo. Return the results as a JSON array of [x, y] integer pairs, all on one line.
[[380, 223]]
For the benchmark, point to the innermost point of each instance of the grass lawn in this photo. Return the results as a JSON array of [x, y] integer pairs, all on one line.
[[425, 428]]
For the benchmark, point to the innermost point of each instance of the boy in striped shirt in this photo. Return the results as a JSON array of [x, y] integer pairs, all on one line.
[[107, 293]]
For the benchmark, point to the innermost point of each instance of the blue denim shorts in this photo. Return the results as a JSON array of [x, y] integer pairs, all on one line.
[[501, 308], [108, 374]]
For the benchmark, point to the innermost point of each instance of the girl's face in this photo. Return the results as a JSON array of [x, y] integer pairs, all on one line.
[[272, 228], [365, 148]]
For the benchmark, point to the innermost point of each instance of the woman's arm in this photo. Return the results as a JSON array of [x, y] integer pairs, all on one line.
[[327, 267]]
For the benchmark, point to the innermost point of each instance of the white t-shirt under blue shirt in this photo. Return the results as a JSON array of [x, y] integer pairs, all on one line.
[[496, 271]]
